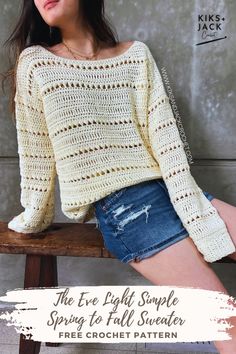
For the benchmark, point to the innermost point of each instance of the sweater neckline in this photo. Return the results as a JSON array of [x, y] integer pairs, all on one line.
[[102, 60]]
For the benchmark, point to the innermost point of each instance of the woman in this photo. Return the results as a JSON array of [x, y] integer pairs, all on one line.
[[95, 112]]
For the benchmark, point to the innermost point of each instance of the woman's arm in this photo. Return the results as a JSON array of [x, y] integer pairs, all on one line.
[[36, 157], [200, 218]]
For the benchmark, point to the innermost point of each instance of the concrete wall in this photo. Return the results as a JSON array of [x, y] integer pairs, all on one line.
[[203, 83]]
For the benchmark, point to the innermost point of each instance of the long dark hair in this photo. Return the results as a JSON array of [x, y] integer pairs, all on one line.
[[31, 29]]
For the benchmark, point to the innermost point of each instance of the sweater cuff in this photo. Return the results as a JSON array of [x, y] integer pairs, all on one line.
[[18, 224], [217, 246]]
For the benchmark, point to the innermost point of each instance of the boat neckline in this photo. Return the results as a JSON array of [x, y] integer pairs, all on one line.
[[84, 61]]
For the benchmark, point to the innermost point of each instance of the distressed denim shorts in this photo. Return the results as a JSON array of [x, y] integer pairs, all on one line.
[[139, 220]]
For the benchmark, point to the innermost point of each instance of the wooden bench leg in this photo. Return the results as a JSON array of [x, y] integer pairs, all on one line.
[[48, 278], [48, 274], [32, 279], [40, 271]]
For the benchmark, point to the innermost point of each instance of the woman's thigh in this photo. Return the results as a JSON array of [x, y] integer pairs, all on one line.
[[181, 264], [228, 213]]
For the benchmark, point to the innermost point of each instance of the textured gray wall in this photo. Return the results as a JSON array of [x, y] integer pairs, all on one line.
[[203, 82]]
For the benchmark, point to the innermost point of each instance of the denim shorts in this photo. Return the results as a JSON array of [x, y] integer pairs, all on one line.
[[139, 220]]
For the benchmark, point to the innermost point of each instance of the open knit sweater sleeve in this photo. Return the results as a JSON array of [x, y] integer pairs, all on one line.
[[200, 218], [36, 157]]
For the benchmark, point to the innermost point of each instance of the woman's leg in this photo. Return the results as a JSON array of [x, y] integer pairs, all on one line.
[[228, 213], [181, 264]]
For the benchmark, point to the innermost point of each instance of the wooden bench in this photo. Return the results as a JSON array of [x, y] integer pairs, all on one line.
[[42, 249]]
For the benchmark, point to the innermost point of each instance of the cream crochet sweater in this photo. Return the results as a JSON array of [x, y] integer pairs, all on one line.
[[101, 125]]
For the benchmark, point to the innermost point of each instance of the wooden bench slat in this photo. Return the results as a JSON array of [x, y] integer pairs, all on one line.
[[60, 239]]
